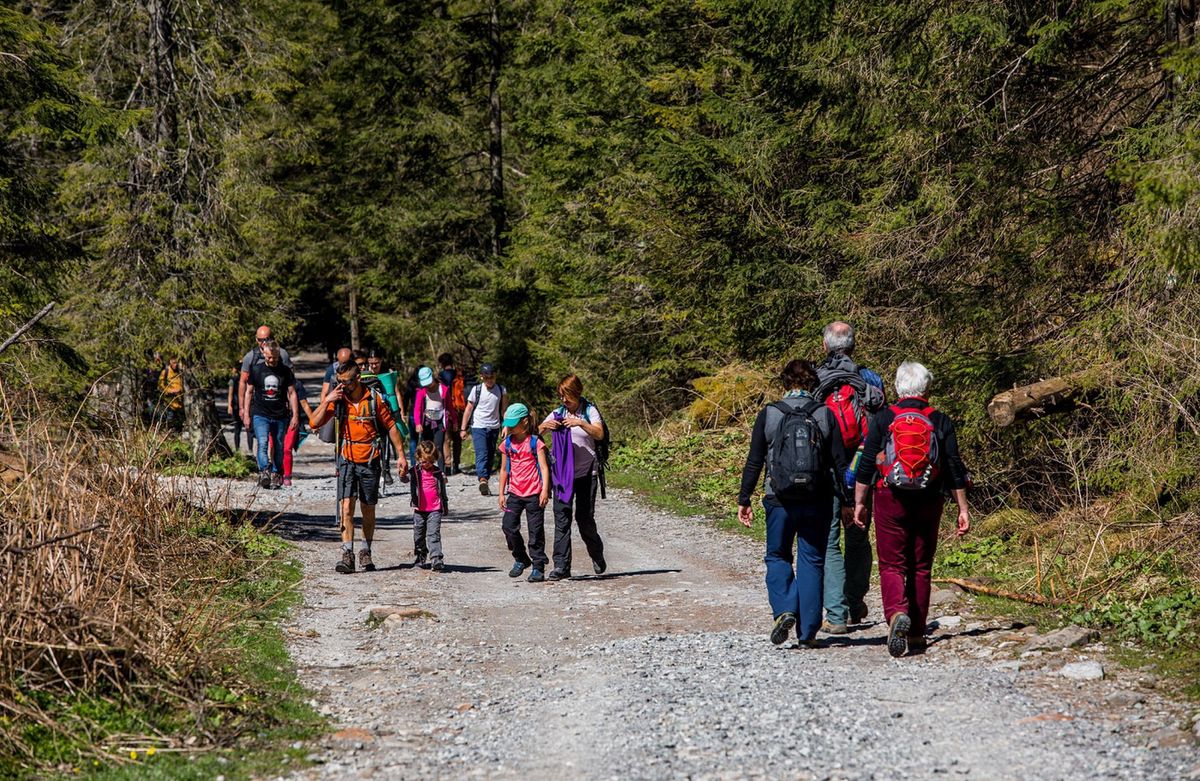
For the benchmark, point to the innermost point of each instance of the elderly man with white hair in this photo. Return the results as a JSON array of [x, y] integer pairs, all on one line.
[[911, 454], [853, 394]]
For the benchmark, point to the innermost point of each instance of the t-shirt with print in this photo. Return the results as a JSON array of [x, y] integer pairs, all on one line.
[[255, 358], [361, 431], [271, 385], [487, 405], [582, 444], [524, 475]]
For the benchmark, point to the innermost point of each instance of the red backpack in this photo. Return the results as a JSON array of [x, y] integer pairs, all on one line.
[[909, 460], [850, 413]]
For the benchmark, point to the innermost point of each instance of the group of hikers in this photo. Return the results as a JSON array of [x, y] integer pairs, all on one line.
[[836, 456], [369, 418]]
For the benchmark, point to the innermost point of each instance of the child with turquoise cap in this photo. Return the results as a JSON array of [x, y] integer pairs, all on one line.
[[524, 487]]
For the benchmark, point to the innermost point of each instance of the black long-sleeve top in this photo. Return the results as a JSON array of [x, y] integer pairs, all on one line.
[[762, 442], [951, 470]]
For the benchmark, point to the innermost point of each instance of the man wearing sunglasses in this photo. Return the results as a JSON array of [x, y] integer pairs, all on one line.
[[255, 357]]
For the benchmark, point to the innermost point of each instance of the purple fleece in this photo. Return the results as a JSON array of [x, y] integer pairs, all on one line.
[[562, 454]]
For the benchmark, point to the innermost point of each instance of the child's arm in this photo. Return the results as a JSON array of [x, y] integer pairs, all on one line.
[[544, 466], [503, 480]]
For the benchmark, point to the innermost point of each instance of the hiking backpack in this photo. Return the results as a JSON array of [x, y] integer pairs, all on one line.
[[796, 465], [342, 415], [852, 400], [909, 460]]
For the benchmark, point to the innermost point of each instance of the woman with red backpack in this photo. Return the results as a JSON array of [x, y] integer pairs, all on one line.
[[910, 456]]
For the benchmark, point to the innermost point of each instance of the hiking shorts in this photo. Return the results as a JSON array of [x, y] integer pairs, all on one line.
[[360, 481]]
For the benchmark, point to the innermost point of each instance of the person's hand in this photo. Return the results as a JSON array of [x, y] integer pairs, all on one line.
[[746, 515], [502, 502], [860, 516], [419, 430], [246, 419], [847, 516], [964, 522], [543, 498], [294, 424], [551, 425], [402, 469], [229, 410], [335, 394], [462, 432], [572, 422]]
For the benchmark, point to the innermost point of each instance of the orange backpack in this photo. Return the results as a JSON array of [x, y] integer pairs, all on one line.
[[458, 399]]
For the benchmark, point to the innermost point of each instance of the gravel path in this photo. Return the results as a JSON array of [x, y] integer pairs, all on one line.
[[662, 668]]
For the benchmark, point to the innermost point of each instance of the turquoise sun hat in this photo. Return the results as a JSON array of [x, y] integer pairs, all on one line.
[[425, 376], [515, 414]]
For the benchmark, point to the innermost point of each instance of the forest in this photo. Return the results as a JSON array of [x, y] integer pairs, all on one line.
[[667, 197]]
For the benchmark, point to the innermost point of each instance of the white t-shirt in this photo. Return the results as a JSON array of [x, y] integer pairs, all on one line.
[[582, 444], [487, 405]]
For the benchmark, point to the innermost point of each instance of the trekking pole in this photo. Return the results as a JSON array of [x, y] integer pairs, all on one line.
[[337, 461]]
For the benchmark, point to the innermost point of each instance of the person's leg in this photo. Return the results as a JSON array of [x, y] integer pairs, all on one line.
[[585, 516], [858, 567], [480, 443], [781, 578], [420, 551], [563, 513], [262, 434], [278, 429], [891, 539], [289, 444], [433, 537], [369, 496], [924, 537], [455, 448], [368, 524], [535, 516], [836, 611], [511, 524], [237, 433], [348, 522], [812, 538], [493, 443], [439, 442]]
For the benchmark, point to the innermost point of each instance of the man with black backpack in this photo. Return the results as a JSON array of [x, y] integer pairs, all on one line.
[[853, 394], [797, 440]]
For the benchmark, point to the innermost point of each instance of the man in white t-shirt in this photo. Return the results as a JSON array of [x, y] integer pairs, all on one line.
[[485, 404]]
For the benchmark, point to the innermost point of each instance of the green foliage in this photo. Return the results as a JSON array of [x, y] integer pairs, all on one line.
[[974, 556], [1156, 622]]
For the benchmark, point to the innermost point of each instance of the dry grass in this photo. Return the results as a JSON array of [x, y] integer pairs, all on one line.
[[108, 585]]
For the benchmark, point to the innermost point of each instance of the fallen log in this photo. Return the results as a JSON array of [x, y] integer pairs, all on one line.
[[1045, 396], [992, 591]]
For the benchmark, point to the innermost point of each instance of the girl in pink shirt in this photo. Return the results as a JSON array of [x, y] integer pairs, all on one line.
[[524, 487], [428, 488]]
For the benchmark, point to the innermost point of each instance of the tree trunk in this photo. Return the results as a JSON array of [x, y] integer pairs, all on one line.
[[164, 90], [201, 422], [496, 138], [355, 338], [1047, 396]]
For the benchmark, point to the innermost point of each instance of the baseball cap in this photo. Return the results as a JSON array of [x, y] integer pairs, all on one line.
[[515, 414], [425, 376], [487, 370]]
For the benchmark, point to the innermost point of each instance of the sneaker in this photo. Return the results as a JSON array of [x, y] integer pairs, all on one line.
[[365, 561], [559, 574], [783, 627], [599, 566], [276, 480], [536, 576], [437, 566], [287, 482], [917, 644], [419, 560], [897, 642], [517, 568], [483, 488], [834, 629], [859, 614], [346, 565], [264, 479], [813, 643]]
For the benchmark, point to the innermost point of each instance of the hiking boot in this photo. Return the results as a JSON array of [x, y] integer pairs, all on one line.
[[418, 560], [287, 482], [859, 614], [365, 561], [536, 576], [264, 479], [834, 629], [346, 565], [783, 627], [813, 643], [437, 566], [483, 488], [917, 644], [897, 642], [517, 568], [276, 480], [559, 574], [599, 565]]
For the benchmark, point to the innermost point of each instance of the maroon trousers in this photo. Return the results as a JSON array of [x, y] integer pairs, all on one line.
[[906, 535]]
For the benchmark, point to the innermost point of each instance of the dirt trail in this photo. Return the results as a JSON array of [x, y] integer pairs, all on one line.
[[662, 667]]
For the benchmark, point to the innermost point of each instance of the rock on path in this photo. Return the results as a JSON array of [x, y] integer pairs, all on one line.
[[662, 669]]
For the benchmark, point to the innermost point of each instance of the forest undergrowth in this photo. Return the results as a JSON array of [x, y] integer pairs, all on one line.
[[141, 633]]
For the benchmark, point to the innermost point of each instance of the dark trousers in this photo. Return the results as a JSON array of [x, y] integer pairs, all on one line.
[[535, 518], [583, 500], [438, 438], [798, 591], [906, 535]]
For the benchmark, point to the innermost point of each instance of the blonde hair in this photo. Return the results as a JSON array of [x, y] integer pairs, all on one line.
[[426, 452]]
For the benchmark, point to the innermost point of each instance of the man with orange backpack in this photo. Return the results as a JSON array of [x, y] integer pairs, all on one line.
[[853, 394], [456, 403]]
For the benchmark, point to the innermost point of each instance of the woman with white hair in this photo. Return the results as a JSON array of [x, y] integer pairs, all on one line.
[[910, 455]]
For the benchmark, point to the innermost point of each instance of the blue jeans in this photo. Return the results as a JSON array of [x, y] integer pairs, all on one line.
[[484, 441], [847, 576], [797, 591], [270, 433]]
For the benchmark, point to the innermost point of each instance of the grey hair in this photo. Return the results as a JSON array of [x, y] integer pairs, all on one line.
[[912, 379], [839, 337]]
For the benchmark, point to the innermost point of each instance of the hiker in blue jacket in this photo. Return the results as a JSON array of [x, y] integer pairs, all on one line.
[[797, 440]]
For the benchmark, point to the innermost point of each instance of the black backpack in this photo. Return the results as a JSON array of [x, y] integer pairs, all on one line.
[[796, 464], [603, 445]]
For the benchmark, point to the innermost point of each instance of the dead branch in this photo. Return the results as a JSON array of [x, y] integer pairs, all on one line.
[[30, 324], [1045, 396]]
